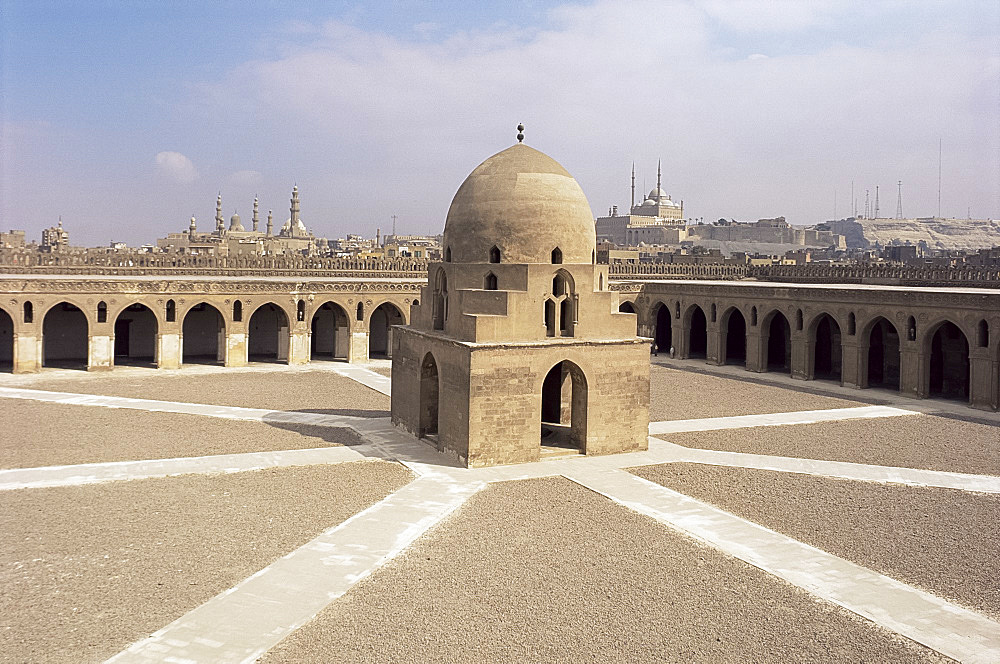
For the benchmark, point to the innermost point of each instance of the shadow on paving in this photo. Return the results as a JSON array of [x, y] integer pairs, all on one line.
[[332, 435]]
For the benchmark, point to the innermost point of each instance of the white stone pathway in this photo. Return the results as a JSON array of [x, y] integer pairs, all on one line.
[[938, 624], [93, 473], [244, 622], [776, 419]]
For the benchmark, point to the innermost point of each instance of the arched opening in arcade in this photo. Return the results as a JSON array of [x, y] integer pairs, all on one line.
[[948, 375], [697, 334], [6, 341], [429, 398], [564, 409], [663, 331], [135, 336], [204, 335], [380, 330], [779, 344], [734, 342], [64, 337], [330, 336], [267, 334], [827, 352], [882, 355]]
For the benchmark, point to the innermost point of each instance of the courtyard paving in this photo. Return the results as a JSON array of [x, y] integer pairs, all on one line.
[[720, 555]]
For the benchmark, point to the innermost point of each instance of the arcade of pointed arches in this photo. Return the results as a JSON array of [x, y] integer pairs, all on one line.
[[815, 343], [64, 326]]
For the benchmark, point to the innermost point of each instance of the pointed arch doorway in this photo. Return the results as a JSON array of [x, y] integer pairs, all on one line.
[[564, 411]]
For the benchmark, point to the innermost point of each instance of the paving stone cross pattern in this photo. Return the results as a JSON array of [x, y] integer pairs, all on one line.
[[245, 621]]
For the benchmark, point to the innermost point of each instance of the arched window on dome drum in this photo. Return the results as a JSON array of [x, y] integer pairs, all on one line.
[[560, 306], [171, 314], [495, 255], [557, 256], [102, 312], [490, 283]]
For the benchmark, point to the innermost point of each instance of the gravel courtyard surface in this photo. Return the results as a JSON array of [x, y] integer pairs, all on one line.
[[48, 434], [547, 571], [685, 395], [910, 441], [942, 540], [313, 391], [89, 570]]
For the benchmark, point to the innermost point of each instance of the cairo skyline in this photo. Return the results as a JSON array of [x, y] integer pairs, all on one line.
[[128, 121]]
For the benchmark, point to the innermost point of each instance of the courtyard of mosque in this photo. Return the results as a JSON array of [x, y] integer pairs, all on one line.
[[273, 513]]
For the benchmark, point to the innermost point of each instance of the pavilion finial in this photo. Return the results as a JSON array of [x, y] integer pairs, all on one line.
[[520, 133]]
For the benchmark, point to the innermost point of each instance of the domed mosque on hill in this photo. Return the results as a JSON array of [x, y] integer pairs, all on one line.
[[516, 349]]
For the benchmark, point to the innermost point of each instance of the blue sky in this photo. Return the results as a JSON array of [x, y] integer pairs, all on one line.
[[128, 117]]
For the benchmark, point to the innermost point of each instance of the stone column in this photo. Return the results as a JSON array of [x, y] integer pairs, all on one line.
[[298, 347], [914, 368], [168, 350], [756, 349], [677, 338], [713, 347], [235, 348], [802, 356], [982, 379], [850, 364], [27, 353], [359, 346], [100, 352]]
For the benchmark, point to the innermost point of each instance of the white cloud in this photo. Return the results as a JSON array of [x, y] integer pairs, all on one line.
[[176, 166], [371, 124]]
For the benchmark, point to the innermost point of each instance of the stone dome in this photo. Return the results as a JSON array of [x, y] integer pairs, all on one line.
[[234, 223], [522, 201]]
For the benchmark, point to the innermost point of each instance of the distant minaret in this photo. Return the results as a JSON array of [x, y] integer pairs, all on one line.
[[219, 223], [378, 237], [193, 226], [633, 186], [256, 214], [658, 192], [270, 223], [294, 210]]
